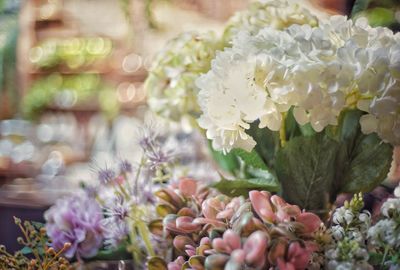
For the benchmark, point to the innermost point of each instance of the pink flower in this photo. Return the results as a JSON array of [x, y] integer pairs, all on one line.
[[298, 258], [260, 200], [229, 242], [211, 208], [310, 221], [252, 253], [254, 248], [284, 211], [187, 187], [177, 264]]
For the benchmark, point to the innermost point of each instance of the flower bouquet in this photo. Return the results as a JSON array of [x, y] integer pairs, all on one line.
[[304, 107], [208, 230], [297, 110]]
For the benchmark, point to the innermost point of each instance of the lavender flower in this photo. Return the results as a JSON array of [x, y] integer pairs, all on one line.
[[117, 208], [159, 157], [75, 219], [125, 166], [148, 136], [106, 176]]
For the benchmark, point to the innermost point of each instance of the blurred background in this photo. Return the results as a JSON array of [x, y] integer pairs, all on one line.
[[71, 85]]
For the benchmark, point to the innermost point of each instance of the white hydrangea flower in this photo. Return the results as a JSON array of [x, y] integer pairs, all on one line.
[[278, 14], [317, 71], [170, 86]]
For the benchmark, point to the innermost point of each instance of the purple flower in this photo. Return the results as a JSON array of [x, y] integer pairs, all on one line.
[[117, 207], [125, 166], [106, 175], [75, 219], [159, 157], [148, 137]]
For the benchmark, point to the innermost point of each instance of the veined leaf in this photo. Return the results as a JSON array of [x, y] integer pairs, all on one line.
[[250, 158], [306, 169], [369, 165], [363, 161], [241, 187]]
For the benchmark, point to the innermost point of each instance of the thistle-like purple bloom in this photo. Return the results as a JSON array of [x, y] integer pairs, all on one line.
[[159, 157], [117, 207], [125, 166], [75, 219], [106, 176]]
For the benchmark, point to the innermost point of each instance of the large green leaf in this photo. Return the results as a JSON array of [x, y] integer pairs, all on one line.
[[250, 158], [314, 169], [241, 187], [306, 169], [363, 161], [369, 165]]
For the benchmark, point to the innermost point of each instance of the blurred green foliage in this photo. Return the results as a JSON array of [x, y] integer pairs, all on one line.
[[67, 92], [378, 12], [8, 45]]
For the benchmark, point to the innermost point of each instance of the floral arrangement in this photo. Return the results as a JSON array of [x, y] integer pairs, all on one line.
[[305, 107], [170, 85], [209, 230], [110, 219], [299, 110], [347, 65]]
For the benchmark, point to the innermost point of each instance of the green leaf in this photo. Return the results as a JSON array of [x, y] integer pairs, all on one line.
[[241, 187], [267, 143], [363, 161], [379, 16], [227, 162], [369, 165], [250, 158], [26, 250], [359, 5], [305, 168]]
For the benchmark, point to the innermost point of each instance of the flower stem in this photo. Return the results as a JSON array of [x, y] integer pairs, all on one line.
[[384, 256], [138, 176], [282, 131]]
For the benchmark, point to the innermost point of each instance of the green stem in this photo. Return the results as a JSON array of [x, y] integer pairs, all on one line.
[[384, 256], [138, 175], [144, 233], [282, 131]]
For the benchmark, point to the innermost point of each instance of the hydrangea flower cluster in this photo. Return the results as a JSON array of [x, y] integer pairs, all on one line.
[[277, 14], [317, 71], [212, 231], [77, 220], [349, 231], [170, 84]]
